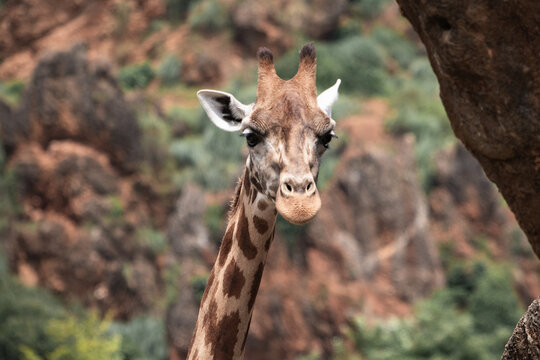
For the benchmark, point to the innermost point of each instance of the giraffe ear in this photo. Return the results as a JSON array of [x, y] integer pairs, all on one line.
[[225, 111], [328, 97]]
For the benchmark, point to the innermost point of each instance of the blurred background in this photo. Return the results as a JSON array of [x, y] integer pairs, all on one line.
[[114, 188]]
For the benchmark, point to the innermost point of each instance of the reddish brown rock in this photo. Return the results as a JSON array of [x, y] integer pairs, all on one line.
[[485, 55]]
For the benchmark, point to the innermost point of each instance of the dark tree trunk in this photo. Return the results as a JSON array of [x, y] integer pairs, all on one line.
[[486, 55]]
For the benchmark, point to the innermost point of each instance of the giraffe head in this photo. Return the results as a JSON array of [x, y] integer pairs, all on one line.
[[287, 130]]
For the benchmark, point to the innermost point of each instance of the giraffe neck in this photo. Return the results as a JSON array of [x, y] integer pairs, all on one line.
[[227, 303]]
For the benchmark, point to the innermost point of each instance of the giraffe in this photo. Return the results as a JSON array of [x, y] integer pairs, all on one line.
[[287, 130]]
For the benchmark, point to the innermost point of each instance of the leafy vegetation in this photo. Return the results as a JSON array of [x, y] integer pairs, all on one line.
[[472, 318], [36, 326], [208, 15], [136, 76], [152, 239], [11, 91], [143, 338], [357, 59], [169, 70], [178, 9], [25, 313], [84, 338], [9, 205], [418, 110]]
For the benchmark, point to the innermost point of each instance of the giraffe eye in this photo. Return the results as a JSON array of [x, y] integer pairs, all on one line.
[[325, 139], [252, 138]]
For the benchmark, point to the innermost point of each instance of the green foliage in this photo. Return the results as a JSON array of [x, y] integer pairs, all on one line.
[[25, 312], [9, 202], [519, 246], [136, 76], [178, 9], [79, 338], [190, 117], [116, 208], [418, 110], [152, 239], [471, 319], [395, 46], [143, 338], [169, 70], [357, 60], [198, 283], [211, 160], [368, 9], [213, 218], [11, 91], [156, 138], [171, 276], [208, 15], [493, 303]]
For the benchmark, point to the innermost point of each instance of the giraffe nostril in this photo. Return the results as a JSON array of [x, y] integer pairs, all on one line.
[[309, 186], [289, 188]]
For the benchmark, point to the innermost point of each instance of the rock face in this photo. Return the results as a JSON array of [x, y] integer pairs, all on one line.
[[274, 24], [70, 144], [69, 99], [524, 344], [386, 226], [485, 56]]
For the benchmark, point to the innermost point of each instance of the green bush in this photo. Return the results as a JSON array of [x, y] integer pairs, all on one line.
[[156, 138], [368, 9], [78, 338], [136, 76], [25, 313], [177, 10], [213, 219], [357, 60], [190, 117], [169, 70], [198, 283], [208, 15], [151, 239], [395, 46], [9, 201], [11, 92], [143, 338], [212, 160], [418, 110], [446, 326], [494, 303]]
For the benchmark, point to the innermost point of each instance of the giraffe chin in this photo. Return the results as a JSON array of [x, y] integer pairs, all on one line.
[[298, 209]]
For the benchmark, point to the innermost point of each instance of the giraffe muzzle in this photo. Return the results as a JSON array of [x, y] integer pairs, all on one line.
[[298, 199]]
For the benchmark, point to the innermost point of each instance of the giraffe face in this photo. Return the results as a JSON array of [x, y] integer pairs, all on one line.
[[286, 141], [287, 131]]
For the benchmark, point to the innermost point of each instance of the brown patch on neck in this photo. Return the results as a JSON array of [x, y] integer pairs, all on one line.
[[242, 235], [233, 280], [221, 335], [226, 245], [260, 224], [262, 205]]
